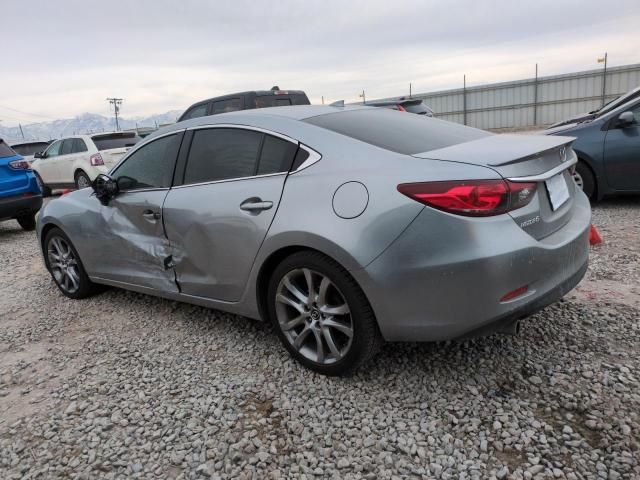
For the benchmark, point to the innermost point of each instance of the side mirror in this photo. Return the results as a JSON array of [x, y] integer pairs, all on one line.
[[105, 188], [38, 155], [626, 119]]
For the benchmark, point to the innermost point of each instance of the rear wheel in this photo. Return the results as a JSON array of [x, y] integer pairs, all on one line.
[[82, 180], [585, 180], [63, 262], [27, 221], [321, 315], [46, 191]]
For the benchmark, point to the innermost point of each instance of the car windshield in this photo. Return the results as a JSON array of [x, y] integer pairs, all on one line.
[[419, 108], [5, 150], [27, 149], [616, 102], [397, 131], [115, 140]]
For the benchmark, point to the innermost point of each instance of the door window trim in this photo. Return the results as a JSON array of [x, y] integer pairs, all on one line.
[[180, 182], [140, 145]]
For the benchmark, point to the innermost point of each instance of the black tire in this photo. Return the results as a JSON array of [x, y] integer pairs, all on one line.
[[86, 287], [366, 339], [27, 222], [82, 177], [588, 180], [46, 191]]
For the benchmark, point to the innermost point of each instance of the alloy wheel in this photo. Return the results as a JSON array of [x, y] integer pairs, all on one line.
[[314, 316], [577, 178], [82, 181], [63, 264]]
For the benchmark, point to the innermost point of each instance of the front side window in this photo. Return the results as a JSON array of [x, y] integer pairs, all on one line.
[[229, 105], [222, 154], [67, 146], [54, 149], [151, 166], [199, 111]]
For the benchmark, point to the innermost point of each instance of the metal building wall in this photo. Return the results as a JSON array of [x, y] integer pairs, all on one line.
[[512, 104]]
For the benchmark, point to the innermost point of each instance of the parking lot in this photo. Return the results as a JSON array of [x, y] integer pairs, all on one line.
[[130, 386]]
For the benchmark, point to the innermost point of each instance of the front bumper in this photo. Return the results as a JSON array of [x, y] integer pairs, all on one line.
[[443, 278], [12, 207]]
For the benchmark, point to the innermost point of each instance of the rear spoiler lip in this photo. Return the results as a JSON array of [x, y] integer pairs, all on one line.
[[548, 174], [540, 145]]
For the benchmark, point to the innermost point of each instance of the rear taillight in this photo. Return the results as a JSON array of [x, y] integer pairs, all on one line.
[[473, 198], [20, 165], [96, 160], [401, 108]]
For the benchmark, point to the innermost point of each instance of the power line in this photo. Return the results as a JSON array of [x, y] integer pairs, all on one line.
[[116, 102], [26, 113]]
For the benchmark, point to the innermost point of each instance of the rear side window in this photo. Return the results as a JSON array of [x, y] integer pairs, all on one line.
[[6, 150], [115, 140], [151, 166], [79, 145], [397, 131], [199, 111], [222, 154], [276, 155], [229, 105], [67, 146]]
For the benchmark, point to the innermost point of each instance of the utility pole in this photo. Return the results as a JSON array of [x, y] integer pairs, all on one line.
[[21, 132], [323, 99], [409, 89], [116, 102], [604, 76], [364, 99]]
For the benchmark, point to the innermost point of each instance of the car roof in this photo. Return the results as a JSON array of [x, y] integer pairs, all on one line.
[[397, 101], [292, 112]]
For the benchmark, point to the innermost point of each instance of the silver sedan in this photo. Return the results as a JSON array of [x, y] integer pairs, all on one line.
[[344, 226]]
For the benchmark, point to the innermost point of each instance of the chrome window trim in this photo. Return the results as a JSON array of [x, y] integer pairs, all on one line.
[[313, 158], [139, 146], [246, 127], [548, 174], [227, 180], [151, 189]]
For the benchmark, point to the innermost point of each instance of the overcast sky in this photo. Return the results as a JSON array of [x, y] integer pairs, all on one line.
[[62, 58]]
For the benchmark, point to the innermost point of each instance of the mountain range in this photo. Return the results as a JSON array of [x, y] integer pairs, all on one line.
[[85, 123]]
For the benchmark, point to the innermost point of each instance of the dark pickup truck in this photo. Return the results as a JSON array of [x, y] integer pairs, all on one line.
[[245, 101]]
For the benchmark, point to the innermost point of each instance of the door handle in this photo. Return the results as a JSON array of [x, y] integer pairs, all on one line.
[[255, 205], [151, 215]]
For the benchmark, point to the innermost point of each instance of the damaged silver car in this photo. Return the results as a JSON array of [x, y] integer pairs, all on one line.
[[344, 226]]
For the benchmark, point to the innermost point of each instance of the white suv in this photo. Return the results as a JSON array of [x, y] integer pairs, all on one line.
[[74, 162]]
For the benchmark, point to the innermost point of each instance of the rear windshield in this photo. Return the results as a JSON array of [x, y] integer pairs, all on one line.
[[115, 140], [397, 131], [272, 100], [28, 149], [5, 150]]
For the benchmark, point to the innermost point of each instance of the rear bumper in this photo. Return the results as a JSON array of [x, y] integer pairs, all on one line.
[[444, 276], [12, 207]]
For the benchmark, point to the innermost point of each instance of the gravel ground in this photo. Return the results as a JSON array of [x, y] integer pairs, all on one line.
[[129, 386]]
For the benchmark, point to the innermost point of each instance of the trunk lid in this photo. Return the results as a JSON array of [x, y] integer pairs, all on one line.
[[539, 159]]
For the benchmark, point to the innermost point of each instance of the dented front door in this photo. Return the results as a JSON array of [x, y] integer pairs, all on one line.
[[134, 246]]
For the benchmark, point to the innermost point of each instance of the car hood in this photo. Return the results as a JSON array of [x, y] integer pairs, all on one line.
[[561, 130]]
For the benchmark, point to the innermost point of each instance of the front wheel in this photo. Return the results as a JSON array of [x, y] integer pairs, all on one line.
[[27, 222], [585, 180], [63, 262], [321, 315]]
